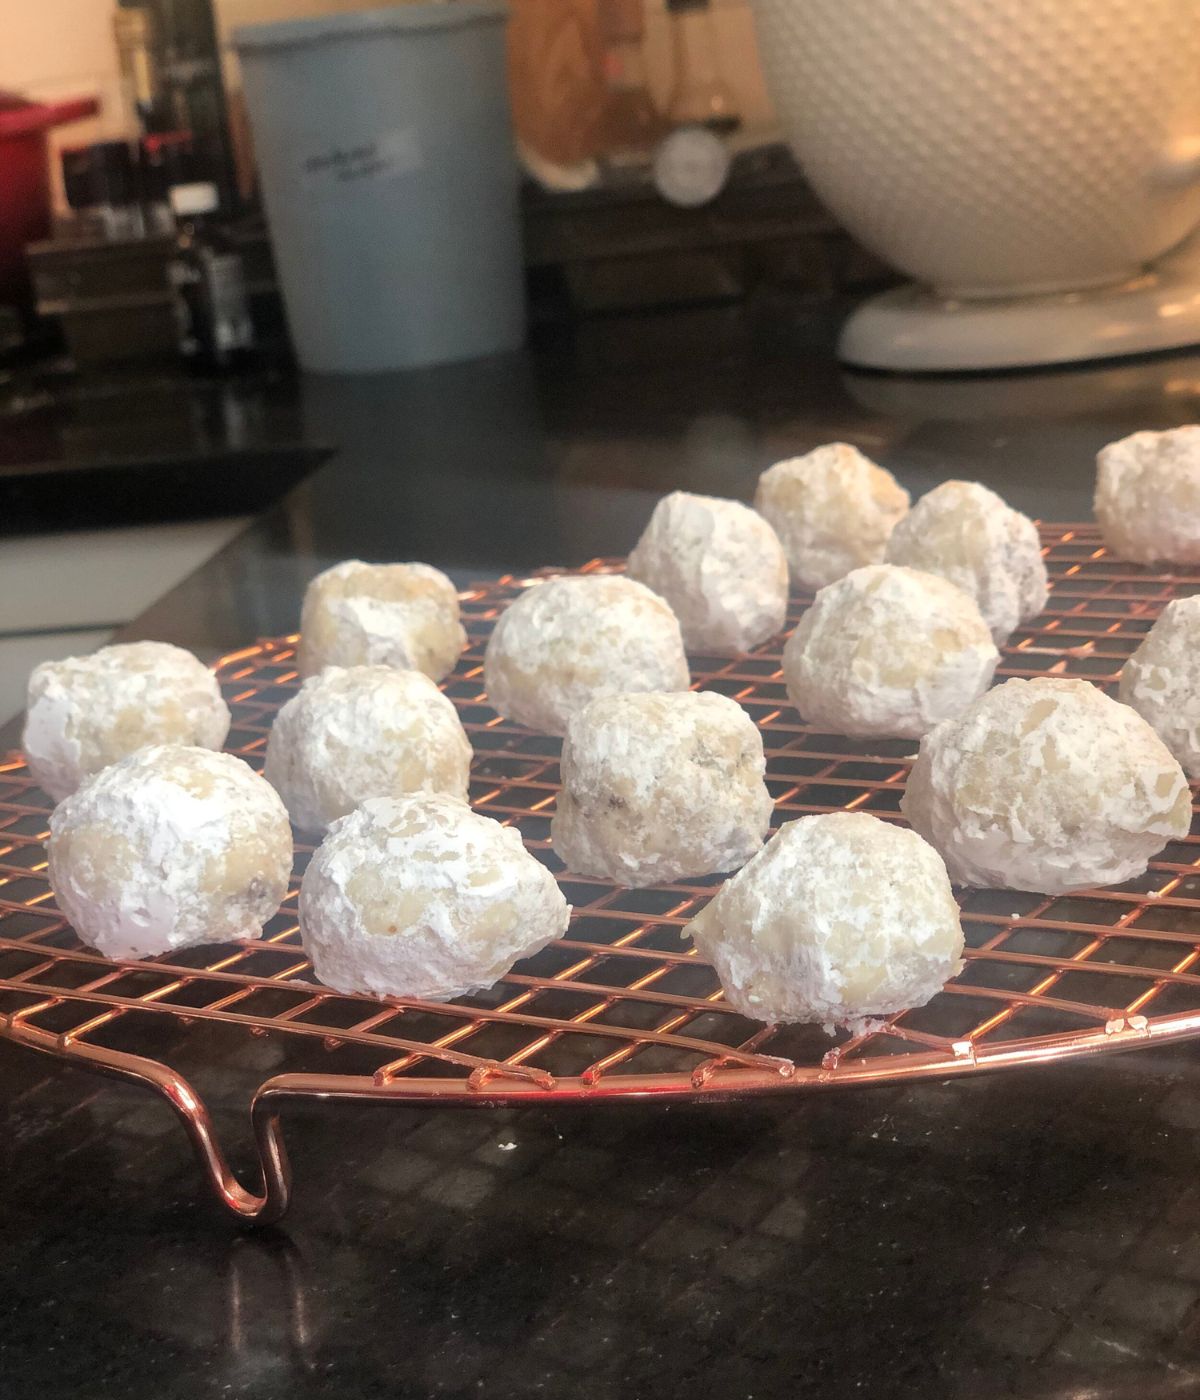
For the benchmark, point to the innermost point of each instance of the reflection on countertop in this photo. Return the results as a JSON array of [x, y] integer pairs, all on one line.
[[123, 448], [1025, 1234], [1030, 1234], [554, 456]]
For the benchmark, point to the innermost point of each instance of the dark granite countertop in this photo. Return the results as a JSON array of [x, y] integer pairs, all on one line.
[[134, 446], [1029, 1234]]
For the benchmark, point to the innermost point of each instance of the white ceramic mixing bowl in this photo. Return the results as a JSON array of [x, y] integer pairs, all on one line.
[[996, 147]]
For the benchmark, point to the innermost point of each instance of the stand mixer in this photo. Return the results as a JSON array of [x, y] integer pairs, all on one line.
[[1032, 165]]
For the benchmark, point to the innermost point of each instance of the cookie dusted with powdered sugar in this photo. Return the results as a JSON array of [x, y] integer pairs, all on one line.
[[1047, 785], [421, 897], [888, 651], [839, 919], [832, 508], [1148, 496], [86, 712], [568, 640], [1161, 681], [660, 787], [171, 847], [403, 615], [965, 533], [719, 566], [364, 731]]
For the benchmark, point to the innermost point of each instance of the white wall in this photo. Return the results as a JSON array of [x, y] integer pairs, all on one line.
[[732, 24], [65, 48]]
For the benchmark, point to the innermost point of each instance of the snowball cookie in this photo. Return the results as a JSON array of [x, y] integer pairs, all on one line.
[[1046, 785], [364, 731], [967, 534], [171, 847], [1161, 680], [419, 896], [403, 615], [888, 651], [660, 787], [833, 509], [88, 711], [1148, 496], [721, 568], [841, 917], [568, 640]]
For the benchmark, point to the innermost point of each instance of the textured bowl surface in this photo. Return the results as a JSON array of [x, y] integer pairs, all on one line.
[[1018, 145]]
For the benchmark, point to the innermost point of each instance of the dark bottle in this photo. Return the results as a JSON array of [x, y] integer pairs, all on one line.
[[171, 65], [100, 184], [217, 331], [165, 158]]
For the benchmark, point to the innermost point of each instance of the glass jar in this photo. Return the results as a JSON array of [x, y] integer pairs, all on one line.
[[699, 94]]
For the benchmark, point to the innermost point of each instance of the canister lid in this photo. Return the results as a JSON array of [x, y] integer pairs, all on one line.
[[359, 24]]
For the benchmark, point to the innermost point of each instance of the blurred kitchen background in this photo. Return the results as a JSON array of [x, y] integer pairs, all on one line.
[[235, 234], [144, 346]]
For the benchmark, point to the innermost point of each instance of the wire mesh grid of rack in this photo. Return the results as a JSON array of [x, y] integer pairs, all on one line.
[[623, 1005]]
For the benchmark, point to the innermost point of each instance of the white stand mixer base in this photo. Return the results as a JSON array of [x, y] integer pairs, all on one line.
[[911, 330]]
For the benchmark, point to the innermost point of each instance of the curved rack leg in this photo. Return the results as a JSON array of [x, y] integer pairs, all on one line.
[[275, 1192]]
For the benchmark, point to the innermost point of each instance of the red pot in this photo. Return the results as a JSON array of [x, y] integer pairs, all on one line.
[[25, 180]]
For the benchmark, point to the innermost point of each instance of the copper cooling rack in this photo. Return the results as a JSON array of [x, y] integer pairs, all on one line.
[[622, 1005]]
